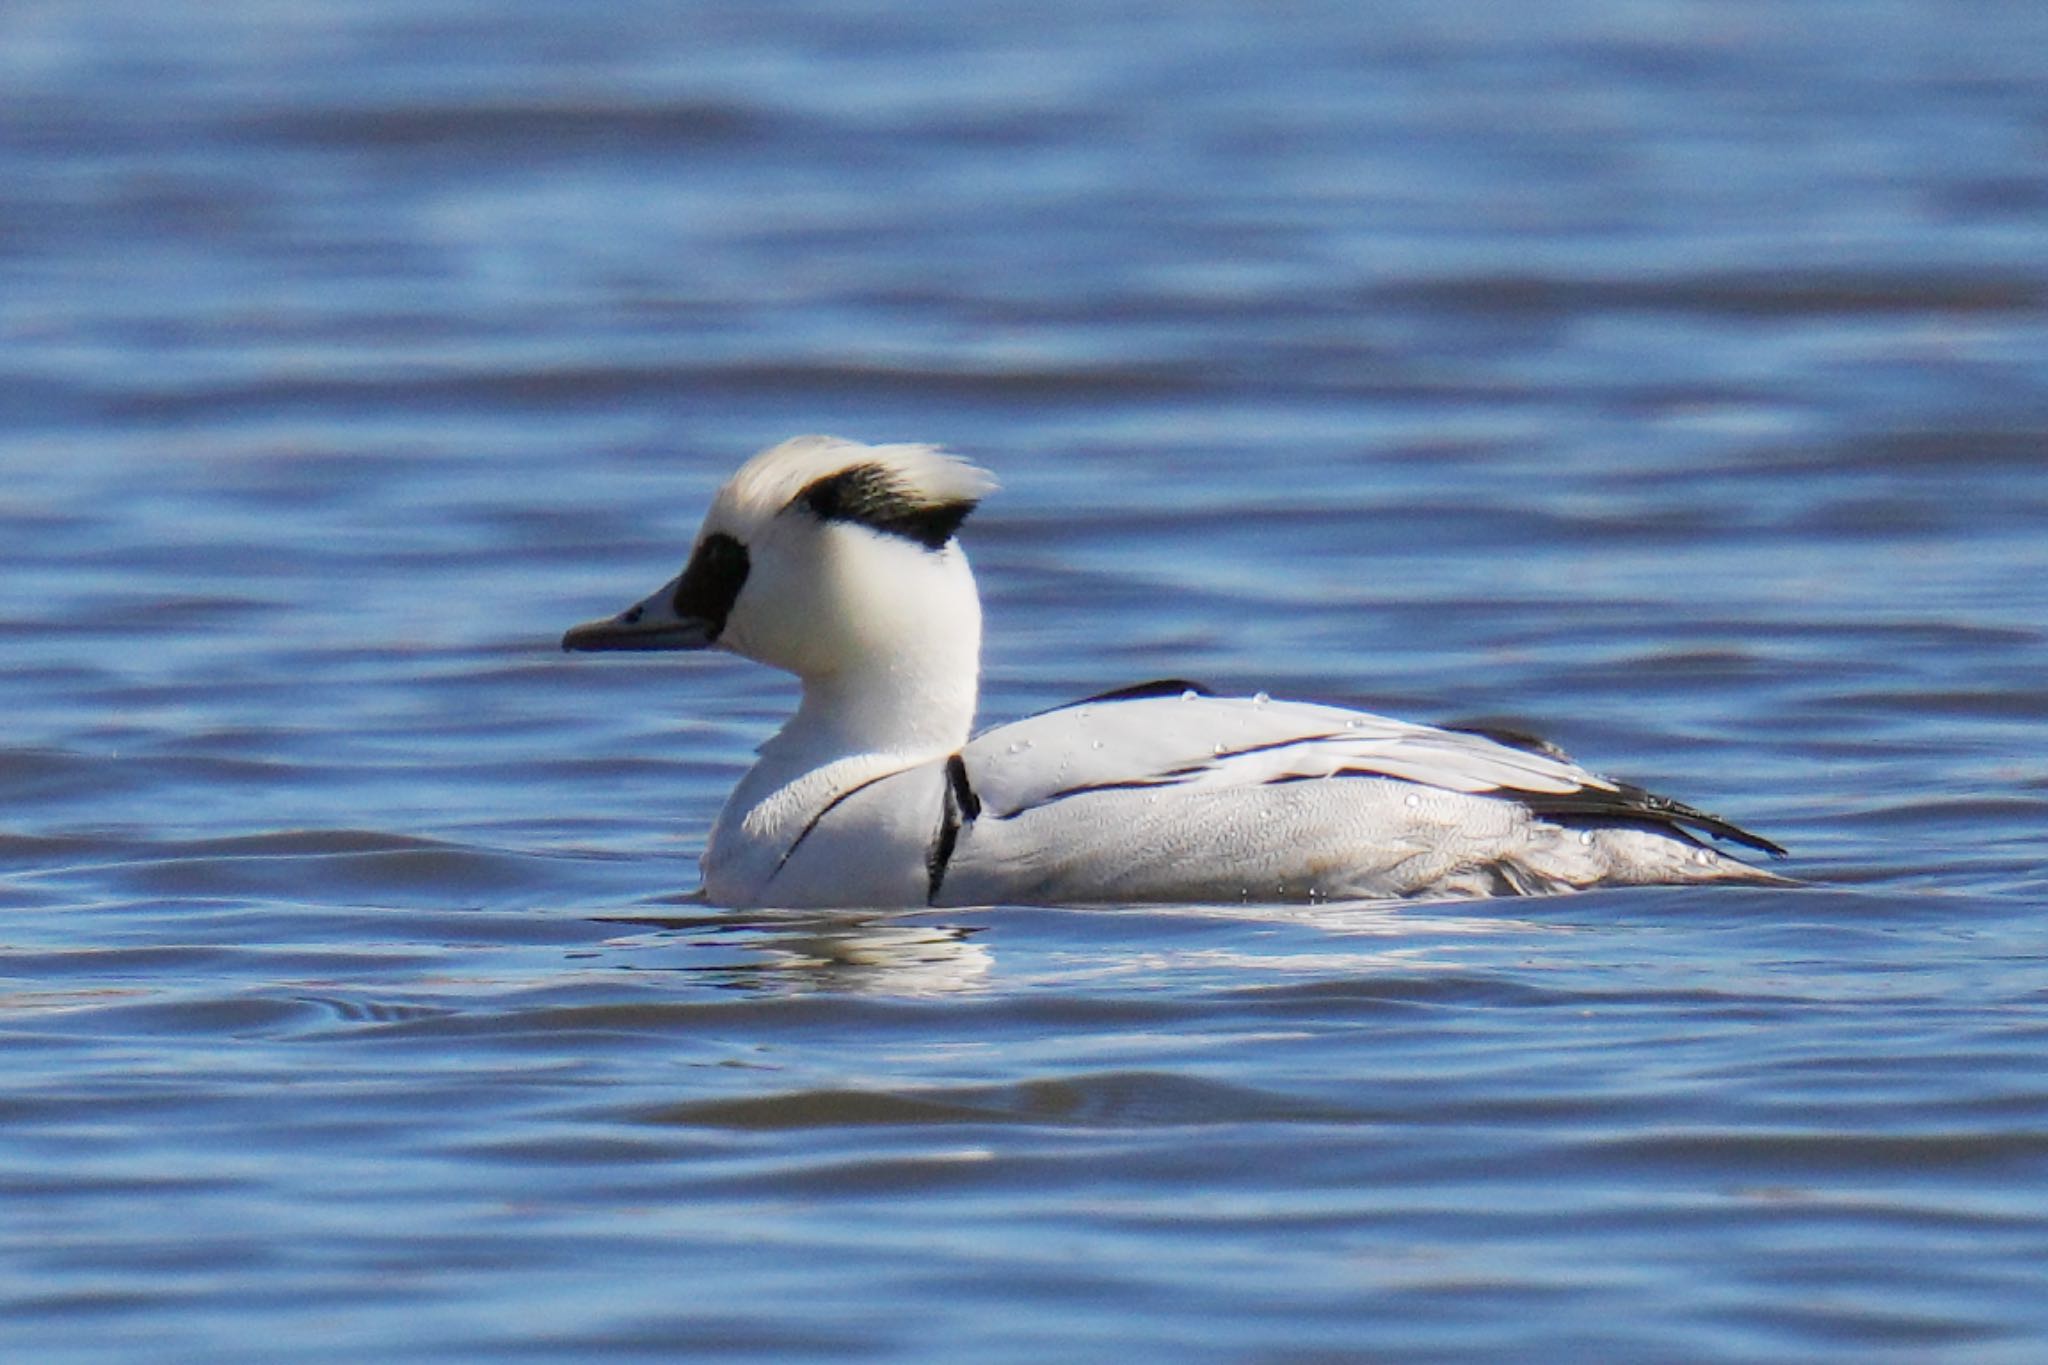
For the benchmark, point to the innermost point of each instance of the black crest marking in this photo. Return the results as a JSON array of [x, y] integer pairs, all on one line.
[[871, 496], [712, 581]]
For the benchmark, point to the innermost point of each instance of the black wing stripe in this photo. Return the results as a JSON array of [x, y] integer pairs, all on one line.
[[1158, 687], [1172, 777], [1629, 804], [1508, 737], [1634, 803], [1136, 784]]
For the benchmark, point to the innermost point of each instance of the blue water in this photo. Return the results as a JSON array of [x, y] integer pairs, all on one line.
[[1669, 379]]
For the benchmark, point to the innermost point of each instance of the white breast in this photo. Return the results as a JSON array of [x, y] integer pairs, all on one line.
[[867, 841]]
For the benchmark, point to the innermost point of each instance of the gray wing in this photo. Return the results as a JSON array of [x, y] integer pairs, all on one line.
[[1194, 741]]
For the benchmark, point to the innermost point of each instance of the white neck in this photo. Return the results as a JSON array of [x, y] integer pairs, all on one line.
[[895, 665], [915, 708], [911, 707]]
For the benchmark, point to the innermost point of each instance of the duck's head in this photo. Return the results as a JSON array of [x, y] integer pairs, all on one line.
[[825, 557]]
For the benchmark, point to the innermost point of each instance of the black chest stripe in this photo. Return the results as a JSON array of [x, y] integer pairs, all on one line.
[[961, 792], [961, 805]]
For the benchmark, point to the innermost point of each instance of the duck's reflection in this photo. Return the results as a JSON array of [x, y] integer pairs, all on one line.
[[931, 953], [866, 952]]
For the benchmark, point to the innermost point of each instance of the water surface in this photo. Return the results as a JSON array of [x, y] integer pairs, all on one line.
[[1668, 379]]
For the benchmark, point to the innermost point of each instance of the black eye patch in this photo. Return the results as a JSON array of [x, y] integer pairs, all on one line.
[[867, 494], [712, 581]]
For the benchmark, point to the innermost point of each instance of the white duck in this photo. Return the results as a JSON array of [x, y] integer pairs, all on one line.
[[836, 561]]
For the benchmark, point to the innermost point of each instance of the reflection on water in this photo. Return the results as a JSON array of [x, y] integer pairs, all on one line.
[[867, 953], [919, 953]]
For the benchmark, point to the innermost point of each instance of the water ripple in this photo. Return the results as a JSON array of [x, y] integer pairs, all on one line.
[[1667, 380]]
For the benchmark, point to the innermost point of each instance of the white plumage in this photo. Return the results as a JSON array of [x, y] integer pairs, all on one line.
[[837, 561]]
